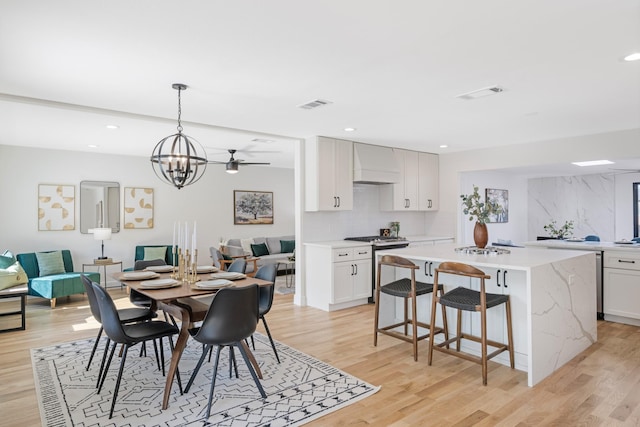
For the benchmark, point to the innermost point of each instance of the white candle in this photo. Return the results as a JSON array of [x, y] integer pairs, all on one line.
[[173, 244], [186, 236], [193, 238]]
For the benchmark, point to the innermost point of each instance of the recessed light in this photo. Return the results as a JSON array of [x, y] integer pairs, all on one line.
[[444, 146], [112, 127], [593, 163], [632, 57], [92, 146], [349, 129], [263, 140]]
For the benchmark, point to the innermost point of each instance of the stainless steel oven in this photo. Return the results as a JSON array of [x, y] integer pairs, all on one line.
[[379, 243]]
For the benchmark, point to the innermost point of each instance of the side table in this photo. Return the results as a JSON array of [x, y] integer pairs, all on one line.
[[105, 265], [288, 271]]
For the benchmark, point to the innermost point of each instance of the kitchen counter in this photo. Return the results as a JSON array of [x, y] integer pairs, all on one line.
[[337, 244], [584, 246], [517, 259], [553, 301]]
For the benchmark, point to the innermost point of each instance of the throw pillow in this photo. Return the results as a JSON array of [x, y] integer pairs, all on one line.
[[259, 249], [246, 245], [7, 259], [12, 275], [151, 252], [50, 263], [287, 246]]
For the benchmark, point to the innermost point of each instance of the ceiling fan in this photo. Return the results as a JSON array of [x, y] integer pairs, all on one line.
[[232, 164]]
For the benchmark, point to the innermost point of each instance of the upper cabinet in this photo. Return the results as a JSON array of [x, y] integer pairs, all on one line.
[[428, 182], [328, 175], [418, 186]]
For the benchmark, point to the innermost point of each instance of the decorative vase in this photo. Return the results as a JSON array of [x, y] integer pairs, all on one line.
[[480, 235]]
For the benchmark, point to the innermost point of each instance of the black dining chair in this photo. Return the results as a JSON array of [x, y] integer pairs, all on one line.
[[267, 272], [231, 318], [128, 335], [126, 315]]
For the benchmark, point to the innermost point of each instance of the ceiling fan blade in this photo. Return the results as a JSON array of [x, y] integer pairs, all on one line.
[[253, 163]]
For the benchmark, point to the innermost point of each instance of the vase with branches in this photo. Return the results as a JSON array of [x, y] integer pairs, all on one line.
[[480, 210]]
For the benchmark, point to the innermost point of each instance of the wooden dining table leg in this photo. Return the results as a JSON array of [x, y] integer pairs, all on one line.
[[252, 359], [181, 343]]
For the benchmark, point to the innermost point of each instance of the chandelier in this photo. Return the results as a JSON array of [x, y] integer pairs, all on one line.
[[179, 159]]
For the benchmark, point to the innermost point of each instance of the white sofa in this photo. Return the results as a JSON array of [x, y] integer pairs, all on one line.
[[240, 247]]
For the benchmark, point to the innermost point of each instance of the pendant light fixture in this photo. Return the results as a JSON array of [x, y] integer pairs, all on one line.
[[179, 159]]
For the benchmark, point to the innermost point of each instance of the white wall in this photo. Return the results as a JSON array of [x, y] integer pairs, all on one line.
[[209, 202], [517, 188]]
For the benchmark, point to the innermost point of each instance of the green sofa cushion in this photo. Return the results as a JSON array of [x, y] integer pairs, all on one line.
[[287, 246], [50, 263], [259, 249], [155, 252]]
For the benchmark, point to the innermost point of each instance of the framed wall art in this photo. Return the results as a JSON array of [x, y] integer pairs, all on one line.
[[138, 207], [56, 207], [501, 198], [252, 207]]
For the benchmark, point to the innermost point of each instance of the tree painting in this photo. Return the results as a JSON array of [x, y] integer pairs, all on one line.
[[253, 207]]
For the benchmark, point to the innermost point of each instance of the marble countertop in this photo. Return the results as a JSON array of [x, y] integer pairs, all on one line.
[[584, 246], [411, 239], [336, 244], [517, 259]]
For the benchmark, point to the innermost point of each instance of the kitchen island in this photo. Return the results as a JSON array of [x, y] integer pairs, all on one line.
[[553, 300], [618, 275]]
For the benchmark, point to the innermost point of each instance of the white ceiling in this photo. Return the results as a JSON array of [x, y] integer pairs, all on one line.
[[391, 69]]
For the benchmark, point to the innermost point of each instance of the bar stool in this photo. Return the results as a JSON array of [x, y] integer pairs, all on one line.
[[407, 289], [466, 299]]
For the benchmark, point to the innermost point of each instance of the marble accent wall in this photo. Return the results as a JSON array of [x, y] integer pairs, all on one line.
[[588, 200]]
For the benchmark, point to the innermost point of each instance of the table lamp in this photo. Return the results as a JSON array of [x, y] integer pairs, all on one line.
[[102, 234]]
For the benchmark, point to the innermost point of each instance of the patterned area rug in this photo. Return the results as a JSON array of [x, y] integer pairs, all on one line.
[[281, 285], [299, 389]]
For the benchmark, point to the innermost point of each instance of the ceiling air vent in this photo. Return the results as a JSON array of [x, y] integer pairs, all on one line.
[[492, 90], [314, 104]]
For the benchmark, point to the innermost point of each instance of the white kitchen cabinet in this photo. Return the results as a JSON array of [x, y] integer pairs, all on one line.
[[428, 181], [338, 278], [418, 186], [403, 195], [621, 287], [328, 174]]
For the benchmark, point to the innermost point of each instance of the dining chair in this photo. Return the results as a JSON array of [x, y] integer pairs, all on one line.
[[239, 265], [463, 298], [136, 297], [231, 318], [407, 289], [128, 335], [126, 315], [267, 272]]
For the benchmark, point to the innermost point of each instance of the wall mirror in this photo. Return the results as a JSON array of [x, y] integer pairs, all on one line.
[[99, 205]]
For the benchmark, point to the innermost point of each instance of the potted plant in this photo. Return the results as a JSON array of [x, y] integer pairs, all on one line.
[[559, 232], [479, 210]]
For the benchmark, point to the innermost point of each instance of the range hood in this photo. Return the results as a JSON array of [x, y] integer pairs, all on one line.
[[373, 164]]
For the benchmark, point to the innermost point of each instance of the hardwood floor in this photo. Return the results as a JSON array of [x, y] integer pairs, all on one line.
[[599, 387]]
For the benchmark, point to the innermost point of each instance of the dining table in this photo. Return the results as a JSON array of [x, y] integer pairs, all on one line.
[[180, 301]]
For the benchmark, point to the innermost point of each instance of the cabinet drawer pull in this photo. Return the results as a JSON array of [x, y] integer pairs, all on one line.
[[345, 254], [363, 253], [627, 261], [504, 279], [498, 278]]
